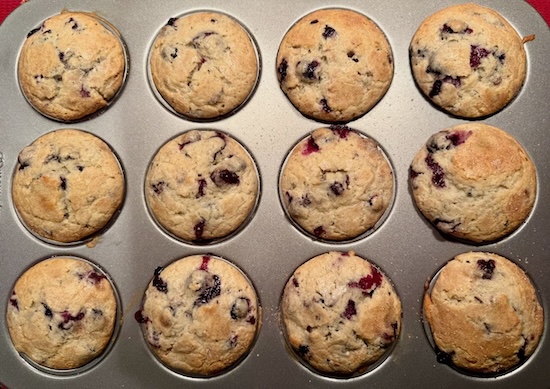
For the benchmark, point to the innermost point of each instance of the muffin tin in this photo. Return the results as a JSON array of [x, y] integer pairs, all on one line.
[[269, 248]]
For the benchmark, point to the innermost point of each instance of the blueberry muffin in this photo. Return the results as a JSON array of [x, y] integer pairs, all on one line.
[[474, 182], [334, 65], [201, 185], [61, 313], [483, 313], [71, 66], [67, 185], [340, 313], [200, 315], [204, 64], [336, 183], [468, 60]]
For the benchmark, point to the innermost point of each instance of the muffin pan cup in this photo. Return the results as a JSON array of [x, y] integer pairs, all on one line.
[[269, 248]]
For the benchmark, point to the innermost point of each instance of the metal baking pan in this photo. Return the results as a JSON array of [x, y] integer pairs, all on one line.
[[269, 248]]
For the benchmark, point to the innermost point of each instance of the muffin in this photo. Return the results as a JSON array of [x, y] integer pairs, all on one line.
[[67, 186], [334, 65], [340, 313], [61, 313], [71, 66], [204, 64], [201, 185], [468, 60], [474, 182], [200, 315], [336, 183], [483, 313]]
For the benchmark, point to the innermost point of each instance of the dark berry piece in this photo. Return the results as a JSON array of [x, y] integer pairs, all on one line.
[[309, 329], [171, 21], [310, 147], [33, 31], [63, 184], [501, 58], [342, 131], [326, 107], [289, 197], [251, 320], [431, 70], [487, 267], [80, 168], [452, 80], [319, 231], [351, 55], [199, 229], [314, 21], [202, 186], [224, 177], [155, 340], [337, 188], [204, 264], [350, 310], [309, 73], [329, 32], [209, 292], [295, 282], [305, 201], [388, 338], [95, 277], [13, 300], [443, 357], [413, 173], [449, 30], [68, 318], [240, 308], [521, 351], [282, 69], [436, 88], [369, 283], [84, 92], [140, 318], [476, 55], [458, 137], [438, 176], [62, 56], [53, 157], [302, 350], [174, 54], [158, 188], [159, 282], [47, 311], [233, 341]]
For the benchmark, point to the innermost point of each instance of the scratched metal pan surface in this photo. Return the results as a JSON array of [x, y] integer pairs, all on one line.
[[269, 248]]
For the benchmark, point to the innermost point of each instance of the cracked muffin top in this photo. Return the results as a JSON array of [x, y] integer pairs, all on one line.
[[67, 185], [204, 65], [71, 66], [483, 313]]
